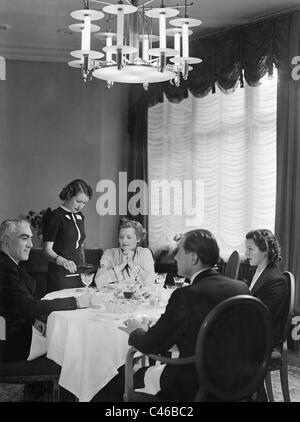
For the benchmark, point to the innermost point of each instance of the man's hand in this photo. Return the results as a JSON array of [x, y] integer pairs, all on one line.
[[131, 325], [40, 326]]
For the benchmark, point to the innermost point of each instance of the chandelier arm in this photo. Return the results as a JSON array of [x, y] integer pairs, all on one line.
[[178, 6], [175, 6], [144, 4], [102, 2], [142, 16]]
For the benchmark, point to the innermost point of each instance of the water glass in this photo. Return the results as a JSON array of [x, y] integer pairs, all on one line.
[[160, 279], [179, 281], [87, 280]]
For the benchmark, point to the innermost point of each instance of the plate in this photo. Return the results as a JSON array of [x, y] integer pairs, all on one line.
[[108, 317]]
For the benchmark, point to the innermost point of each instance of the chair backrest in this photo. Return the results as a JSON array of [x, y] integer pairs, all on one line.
[[233, 348], [233, 265], [287, 318]]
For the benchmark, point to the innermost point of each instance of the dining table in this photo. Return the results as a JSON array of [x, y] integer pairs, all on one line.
[[88, 343]]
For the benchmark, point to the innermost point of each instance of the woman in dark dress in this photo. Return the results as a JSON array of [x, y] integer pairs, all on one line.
[[265, 280], [63, 236]]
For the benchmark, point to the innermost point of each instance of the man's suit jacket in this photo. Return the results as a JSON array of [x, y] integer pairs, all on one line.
[[179, 325], [271, 288], [20, 309]]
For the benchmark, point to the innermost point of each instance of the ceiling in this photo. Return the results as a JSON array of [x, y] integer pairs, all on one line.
[[38, 29]]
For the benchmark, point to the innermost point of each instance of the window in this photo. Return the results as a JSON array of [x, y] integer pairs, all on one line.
[[218, 154]]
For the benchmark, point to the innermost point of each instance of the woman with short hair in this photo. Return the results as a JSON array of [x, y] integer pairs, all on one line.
[[64, 234], [266, 281], [130, 262]]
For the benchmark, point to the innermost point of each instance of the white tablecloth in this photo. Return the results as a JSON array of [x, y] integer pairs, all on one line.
[[88, 344]]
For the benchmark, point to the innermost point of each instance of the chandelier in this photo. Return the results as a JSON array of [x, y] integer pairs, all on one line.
[[129, 55]]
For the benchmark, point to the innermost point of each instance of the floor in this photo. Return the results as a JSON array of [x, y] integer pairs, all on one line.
[[15, 393]]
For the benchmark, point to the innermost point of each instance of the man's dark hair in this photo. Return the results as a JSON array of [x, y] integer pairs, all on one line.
[[204, 244]]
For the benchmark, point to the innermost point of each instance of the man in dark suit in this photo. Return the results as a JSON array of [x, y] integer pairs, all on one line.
[[188, 306], [21, 312]]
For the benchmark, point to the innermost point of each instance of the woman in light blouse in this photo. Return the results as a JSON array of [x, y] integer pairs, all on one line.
[[129, 263]]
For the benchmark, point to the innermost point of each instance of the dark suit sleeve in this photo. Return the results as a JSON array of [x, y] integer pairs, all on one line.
[[16, 295], [165, 332], [249, 276], [273, 294]]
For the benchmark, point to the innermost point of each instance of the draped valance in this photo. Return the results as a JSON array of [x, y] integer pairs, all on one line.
[[244, 53]]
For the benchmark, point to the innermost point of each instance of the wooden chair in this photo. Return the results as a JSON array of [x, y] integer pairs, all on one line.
[[233, 265], [279, 357], [41, 370], [232, 351]]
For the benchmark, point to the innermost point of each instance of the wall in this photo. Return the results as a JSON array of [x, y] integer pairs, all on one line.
[[54, 129]]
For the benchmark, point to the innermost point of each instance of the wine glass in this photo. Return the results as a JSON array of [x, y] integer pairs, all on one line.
[[178, 281], [160, 279], [86, 280]]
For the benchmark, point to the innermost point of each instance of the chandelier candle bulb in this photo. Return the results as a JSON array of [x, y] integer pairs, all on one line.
[[86, 34], [177, 42], [120, 27], [185, 40], [108, 44], [162, 30], [145, 48]]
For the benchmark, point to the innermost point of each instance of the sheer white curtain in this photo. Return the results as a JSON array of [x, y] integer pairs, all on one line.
[[226, 145]]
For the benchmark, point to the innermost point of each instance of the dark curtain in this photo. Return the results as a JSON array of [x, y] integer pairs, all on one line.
[[137, 166], [244, 53], [288, 160]]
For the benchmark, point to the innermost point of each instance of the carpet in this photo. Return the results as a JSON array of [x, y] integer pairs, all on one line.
[[15, 393]]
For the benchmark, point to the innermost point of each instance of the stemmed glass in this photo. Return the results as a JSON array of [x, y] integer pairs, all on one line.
[[160, 279], [179, 281], [86, 280]]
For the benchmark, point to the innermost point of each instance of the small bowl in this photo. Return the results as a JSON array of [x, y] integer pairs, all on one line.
[[128, 295]]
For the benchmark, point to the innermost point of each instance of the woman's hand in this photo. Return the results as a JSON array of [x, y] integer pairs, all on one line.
[[124, 259], [121, 266], [128, 257], [68, 265]]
